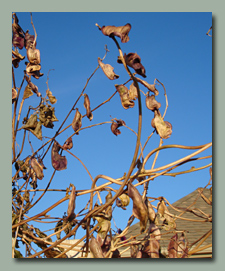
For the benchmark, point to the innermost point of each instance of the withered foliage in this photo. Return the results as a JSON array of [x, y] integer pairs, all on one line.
[[77, 121], [115, 125], [163, 128], [139, 208], [88, 107], [119, 31], [59, 162], [108, 70], [101, 240], [126, 101]]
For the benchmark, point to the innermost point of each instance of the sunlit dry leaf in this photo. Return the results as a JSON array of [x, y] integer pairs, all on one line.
[[87, 107], [134, 61], [33, 70], [173, 247], [119, 31], [14, 94], [133, 92], [104, 227], [139, 207], [151, 247], [134, 250], [17, 57], [151, 212], [33, 55], [52, 98], [151, 103], [150, 87], [58, 162], [95, 248], [77, 121], [29, 40], [163, 128], [33, 86], [68, 144], [123, 201], [124, 96], [37, 167], [153, 229], [108, 70], [71, 205], [115, 125], [27, 92]]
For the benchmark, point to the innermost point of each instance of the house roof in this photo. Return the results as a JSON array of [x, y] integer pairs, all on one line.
[[193, 230]]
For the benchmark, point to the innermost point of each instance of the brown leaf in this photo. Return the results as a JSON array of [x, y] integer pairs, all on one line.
[[108, 70], [58, 162], [151, 212], [33, 55], [52, 98], [37, 167], [151, 103], [77, 121], [27, 92], [154, 230], [163, 128], [87, 107], [123, 201], [33, 86], [14, 94], [68, 144], [173, 247], [134, 61], [133, 92], [119, 31], [124, 96], [139, 207], [151, 247], [95, 248], [115, 125], [182, 250], [71, 205], [150, 87]]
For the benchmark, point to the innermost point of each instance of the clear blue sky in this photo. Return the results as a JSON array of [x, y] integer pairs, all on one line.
[[173, 47]]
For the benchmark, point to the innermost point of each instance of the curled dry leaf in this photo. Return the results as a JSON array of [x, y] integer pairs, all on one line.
[[173, 247], [33, 70], [134, 250], [87, 107], [77, 121], [168, 222], [33, 86], [29, 40], [133, 60], [95, 248], [151, 103], [17, 57], [139, 208], [18, 36], [163, 128], [124, 96], [58, 162], [154, 230], [182, 250], [52, 98], [37, 167], [71, 205], [27, 92], [68, 144], [33, 55], [47, 115], [118, 31], [151, 247], [34, 126], [108, 70], [14, 94], [133, 92], [115, 125], [123, 201], [151, 212], [150, 87]]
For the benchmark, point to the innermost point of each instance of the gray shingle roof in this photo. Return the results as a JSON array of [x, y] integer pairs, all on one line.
[[193, 230]]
